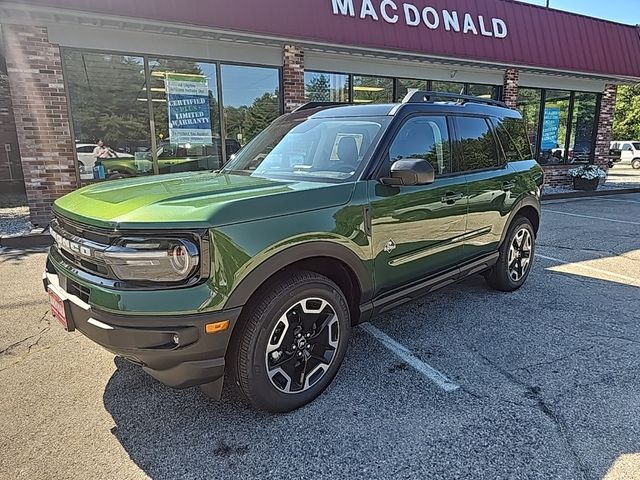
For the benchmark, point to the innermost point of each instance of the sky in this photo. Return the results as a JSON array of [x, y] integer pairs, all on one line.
[[624, 11]]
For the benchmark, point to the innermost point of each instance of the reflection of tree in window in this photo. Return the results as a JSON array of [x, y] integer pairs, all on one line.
[[372, 89], [478, 144], [326, 87], [513, 138], [422, 138], [108, 99]]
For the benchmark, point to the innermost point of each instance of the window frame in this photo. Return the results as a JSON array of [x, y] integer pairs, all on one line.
[[500, 156], [392, 134], [147, 72]]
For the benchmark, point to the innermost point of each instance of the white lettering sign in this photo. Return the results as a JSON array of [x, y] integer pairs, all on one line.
[[413, 15]]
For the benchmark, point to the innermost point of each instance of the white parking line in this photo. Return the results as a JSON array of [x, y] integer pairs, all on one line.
[[401, 351], [578, 264], [546, 210]]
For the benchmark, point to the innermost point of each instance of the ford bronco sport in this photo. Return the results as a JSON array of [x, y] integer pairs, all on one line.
[[328, 217]]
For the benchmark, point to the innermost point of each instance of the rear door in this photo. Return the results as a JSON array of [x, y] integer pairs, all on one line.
[[490, 180], [417, 230]]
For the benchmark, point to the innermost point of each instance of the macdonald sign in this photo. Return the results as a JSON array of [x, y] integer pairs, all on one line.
[[501, 32], [413, 15]]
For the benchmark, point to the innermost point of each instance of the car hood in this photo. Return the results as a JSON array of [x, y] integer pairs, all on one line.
[[195, 200]]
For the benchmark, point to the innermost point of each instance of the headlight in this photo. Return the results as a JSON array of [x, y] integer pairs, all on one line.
[[153, 259]]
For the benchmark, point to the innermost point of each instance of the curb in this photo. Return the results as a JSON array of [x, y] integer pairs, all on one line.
[[582, 194], [27, 241]]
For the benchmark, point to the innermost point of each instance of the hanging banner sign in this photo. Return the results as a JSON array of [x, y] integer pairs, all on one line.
[[188, 109], [550, 128]]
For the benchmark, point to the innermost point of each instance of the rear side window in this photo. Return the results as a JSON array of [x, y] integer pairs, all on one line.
[[479, 149], [513, 137], [424, 137]]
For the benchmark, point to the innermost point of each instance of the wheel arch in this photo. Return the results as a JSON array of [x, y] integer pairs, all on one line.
[[528, 207], [332, 260]]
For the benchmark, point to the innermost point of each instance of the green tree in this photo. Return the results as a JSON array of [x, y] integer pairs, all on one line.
[[626, 124], [318, 89]]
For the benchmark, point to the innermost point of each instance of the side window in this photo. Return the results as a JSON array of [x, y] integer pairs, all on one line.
[[423, 137], [513, 138], [626, 147], [85, 149], [479, 149]]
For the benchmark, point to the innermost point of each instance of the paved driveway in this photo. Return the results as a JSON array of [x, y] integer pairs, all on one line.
[[547, 382]]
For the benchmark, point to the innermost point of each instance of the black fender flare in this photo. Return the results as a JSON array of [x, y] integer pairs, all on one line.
[[248, 285], [526, 201]]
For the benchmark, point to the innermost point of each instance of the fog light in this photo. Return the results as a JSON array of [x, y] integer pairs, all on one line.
[[176, 339]]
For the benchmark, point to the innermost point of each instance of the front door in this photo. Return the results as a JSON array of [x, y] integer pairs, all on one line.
[[416, 230]]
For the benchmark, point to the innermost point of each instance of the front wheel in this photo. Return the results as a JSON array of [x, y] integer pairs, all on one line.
[[291, 342], [516, 257]]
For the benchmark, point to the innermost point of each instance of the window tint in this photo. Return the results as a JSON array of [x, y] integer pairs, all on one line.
[[513, 137], [423, 137], [478, 144]]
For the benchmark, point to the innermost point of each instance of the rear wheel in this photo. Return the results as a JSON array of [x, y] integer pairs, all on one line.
[[635, 163], [516, 257], [291, 342]]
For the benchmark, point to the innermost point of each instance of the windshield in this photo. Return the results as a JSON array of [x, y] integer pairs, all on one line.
[[322, 149]]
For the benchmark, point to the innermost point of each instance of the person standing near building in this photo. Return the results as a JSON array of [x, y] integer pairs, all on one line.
[[102, 151]]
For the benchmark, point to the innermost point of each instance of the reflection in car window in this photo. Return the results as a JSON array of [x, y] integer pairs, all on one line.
[[331, 149], [478, 144], [426, 138]]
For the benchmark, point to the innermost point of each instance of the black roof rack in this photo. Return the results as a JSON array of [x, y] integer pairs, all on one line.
[[310, 105], [419, 96]]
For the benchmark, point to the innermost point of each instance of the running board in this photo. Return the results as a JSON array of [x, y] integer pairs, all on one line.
[[412, 292]]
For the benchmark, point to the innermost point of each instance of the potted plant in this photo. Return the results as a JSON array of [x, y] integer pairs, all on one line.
[[587, 177]]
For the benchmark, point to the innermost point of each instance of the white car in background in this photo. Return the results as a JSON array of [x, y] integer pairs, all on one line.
[[630, 152], [86, 159]]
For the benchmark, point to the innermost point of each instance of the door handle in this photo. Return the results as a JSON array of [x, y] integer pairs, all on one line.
[[452, 197], [506, 186]]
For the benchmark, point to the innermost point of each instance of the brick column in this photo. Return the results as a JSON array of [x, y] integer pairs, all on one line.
[[604, 133], [10, 168], [510, 87], [41, 116], [293, 77]]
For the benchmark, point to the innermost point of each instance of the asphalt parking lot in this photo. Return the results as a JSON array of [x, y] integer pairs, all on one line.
[[547, 382]]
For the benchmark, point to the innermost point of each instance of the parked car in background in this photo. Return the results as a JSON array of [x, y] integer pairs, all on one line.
[[87, 160], [331, 215], [171, 159], [629, 152]]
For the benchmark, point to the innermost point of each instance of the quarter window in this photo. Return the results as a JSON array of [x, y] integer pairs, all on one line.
[[513, 137], [423, 137], [479, 149]]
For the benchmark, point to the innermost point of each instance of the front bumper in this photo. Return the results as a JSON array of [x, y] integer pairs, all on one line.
[[150, 341]]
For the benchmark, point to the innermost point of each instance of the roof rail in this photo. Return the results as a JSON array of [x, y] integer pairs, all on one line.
[[419, 96], [310, 105]]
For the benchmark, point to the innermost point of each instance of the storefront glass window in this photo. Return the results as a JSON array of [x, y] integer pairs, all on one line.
[[372, 89], [582, 127], [403, 85], [110, 114], [448, 87], [326, 87], [529, 106], [251, 99], [483, 91], [184, 100], [554, 127]]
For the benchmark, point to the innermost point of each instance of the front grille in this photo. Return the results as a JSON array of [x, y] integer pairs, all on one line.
[[77, 245]]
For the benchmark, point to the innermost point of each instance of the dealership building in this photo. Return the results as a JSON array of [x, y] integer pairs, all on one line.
[[176, 85]]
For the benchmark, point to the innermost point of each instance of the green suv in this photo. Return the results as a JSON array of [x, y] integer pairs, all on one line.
[[330, 216]]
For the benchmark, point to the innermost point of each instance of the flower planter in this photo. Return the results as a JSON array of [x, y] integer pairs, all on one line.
[[584, 184]]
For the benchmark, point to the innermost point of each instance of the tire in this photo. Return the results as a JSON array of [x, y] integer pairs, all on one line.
[[635, 163], [514, 265], [301, 317]]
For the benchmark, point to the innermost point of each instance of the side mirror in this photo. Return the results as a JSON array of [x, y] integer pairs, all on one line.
[[410, 172]]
